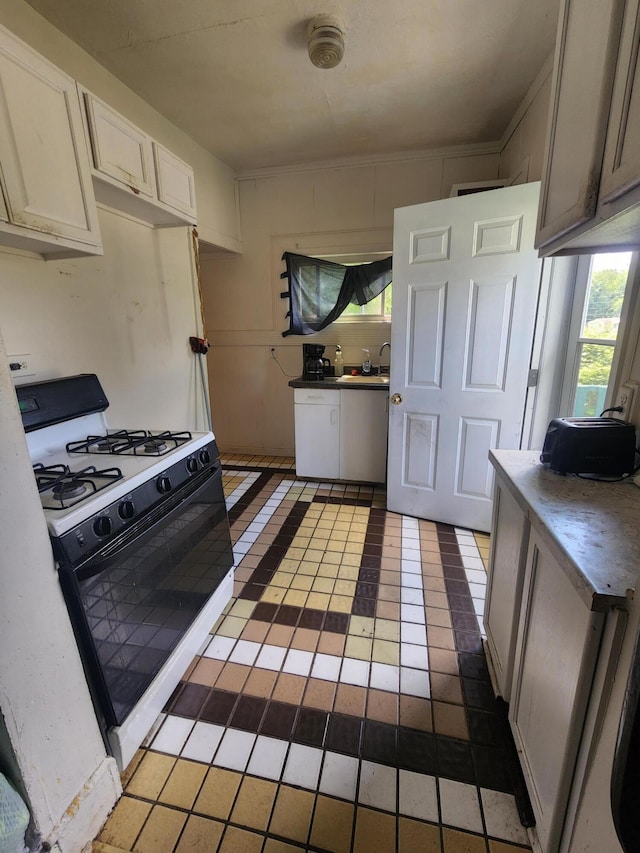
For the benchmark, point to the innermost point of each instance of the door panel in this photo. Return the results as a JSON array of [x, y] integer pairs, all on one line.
[[476, 438], [426, 325], [488, 332], [419, 440], [465, 290]]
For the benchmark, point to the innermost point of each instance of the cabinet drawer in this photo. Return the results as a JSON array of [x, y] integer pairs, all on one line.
[[320, 397]]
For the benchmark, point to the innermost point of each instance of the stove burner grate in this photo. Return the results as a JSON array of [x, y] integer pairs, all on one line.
[[62, 488], [130, 443]]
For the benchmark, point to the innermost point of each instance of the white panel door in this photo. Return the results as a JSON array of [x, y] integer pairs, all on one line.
[[465, 286]]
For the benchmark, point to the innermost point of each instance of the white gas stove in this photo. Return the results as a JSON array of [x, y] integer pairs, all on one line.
[[81, 466], [140, 533]]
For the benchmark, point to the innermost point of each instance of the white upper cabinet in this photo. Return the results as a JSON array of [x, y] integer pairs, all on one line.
[[48, 197], [621, 169], [135, 174], [120, 150], [590, 198], [176, 186]]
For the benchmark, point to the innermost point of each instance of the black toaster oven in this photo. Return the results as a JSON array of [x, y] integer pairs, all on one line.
[[602, 446]]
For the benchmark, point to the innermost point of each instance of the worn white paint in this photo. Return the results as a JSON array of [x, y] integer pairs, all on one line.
[[43, 695]]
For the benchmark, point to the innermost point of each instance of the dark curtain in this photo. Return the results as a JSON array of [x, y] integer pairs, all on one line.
[[319, 291]]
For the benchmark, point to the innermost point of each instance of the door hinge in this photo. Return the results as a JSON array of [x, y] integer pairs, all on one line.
[[532, 379]]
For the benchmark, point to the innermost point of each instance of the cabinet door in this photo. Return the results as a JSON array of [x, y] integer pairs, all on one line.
[[621, 169], [509, 541], [555, 660], [363, 436], [42, 147], [317, 437], [175, 181], [586, 51], [120, 150]]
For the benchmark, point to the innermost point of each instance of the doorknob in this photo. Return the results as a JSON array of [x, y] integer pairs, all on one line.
[[396, 399]]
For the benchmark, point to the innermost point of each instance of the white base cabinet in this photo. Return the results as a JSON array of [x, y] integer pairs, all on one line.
[[561, 582], [507, 558], [341, 435], [363, 436], [317, 433], [556, 655]]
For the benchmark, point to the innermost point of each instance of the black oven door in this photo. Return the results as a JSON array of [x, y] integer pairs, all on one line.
[[132, 602]]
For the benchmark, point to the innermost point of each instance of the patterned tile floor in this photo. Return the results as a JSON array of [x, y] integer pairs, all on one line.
[[342, 702]]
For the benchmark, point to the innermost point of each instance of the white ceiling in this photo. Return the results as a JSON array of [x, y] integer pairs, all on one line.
[[235, 74]]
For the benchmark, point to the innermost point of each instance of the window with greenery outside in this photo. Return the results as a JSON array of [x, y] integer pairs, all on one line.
[[599, 331]]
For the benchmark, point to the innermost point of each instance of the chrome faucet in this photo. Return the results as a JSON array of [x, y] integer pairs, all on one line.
[[385, 369]]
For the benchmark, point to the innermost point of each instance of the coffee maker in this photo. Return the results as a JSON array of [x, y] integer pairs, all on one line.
[[314, 366]]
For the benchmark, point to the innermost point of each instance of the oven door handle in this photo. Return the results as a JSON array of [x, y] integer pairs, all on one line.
[[147, 526]]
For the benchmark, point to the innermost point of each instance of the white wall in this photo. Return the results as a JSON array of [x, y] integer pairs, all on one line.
[[126, 316]]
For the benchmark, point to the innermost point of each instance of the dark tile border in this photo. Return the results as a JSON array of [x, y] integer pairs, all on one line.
[[485, 764], [492, 749]]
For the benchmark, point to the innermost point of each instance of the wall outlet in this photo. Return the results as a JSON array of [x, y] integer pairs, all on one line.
[[624, 398], [21, 366]]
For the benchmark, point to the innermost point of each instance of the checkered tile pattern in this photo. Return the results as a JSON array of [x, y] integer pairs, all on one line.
[[342, 702]]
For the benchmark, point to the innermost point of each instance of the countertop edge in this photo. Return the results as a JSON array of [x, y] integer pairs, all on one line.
[[333, 383], [579, 520]]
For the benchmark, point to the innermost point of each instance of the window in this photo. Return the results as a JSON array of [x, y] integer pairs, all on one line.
[[600, 288], [378, 309]]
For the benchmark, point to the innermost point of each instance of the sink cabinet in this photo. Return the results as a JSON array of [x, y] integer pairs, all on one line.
[[590, 196], [317, 433], [363, 436], [48, 205], [341, 434]]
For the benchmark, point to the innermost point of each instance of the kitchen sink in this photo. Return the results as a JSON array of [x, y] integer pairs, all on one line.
[[368, 380]]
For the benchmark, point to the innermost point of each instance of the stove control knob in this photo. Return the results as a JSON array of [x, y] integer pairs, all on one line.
[[102, 525], [192, 465], [205, 457], [163, 484], [126, 510]]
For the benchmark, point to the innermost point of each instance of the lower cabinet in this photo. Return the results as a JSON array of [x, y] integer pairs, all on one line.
[[555, 658], [363, 436], [341, 435], [317, 433], [507, 558]]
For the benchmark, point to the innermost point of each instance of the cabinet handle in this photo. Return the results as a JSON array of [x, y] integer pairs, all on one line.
[[332, 417], [396, 399]]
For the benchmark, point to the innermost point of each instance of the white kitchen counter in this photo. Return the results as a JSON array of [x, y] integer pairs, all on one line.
[[592, 528]]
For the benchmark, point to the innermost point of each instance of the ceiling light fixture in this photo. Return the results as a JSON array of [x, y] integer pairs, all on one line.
[[325, 36]]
